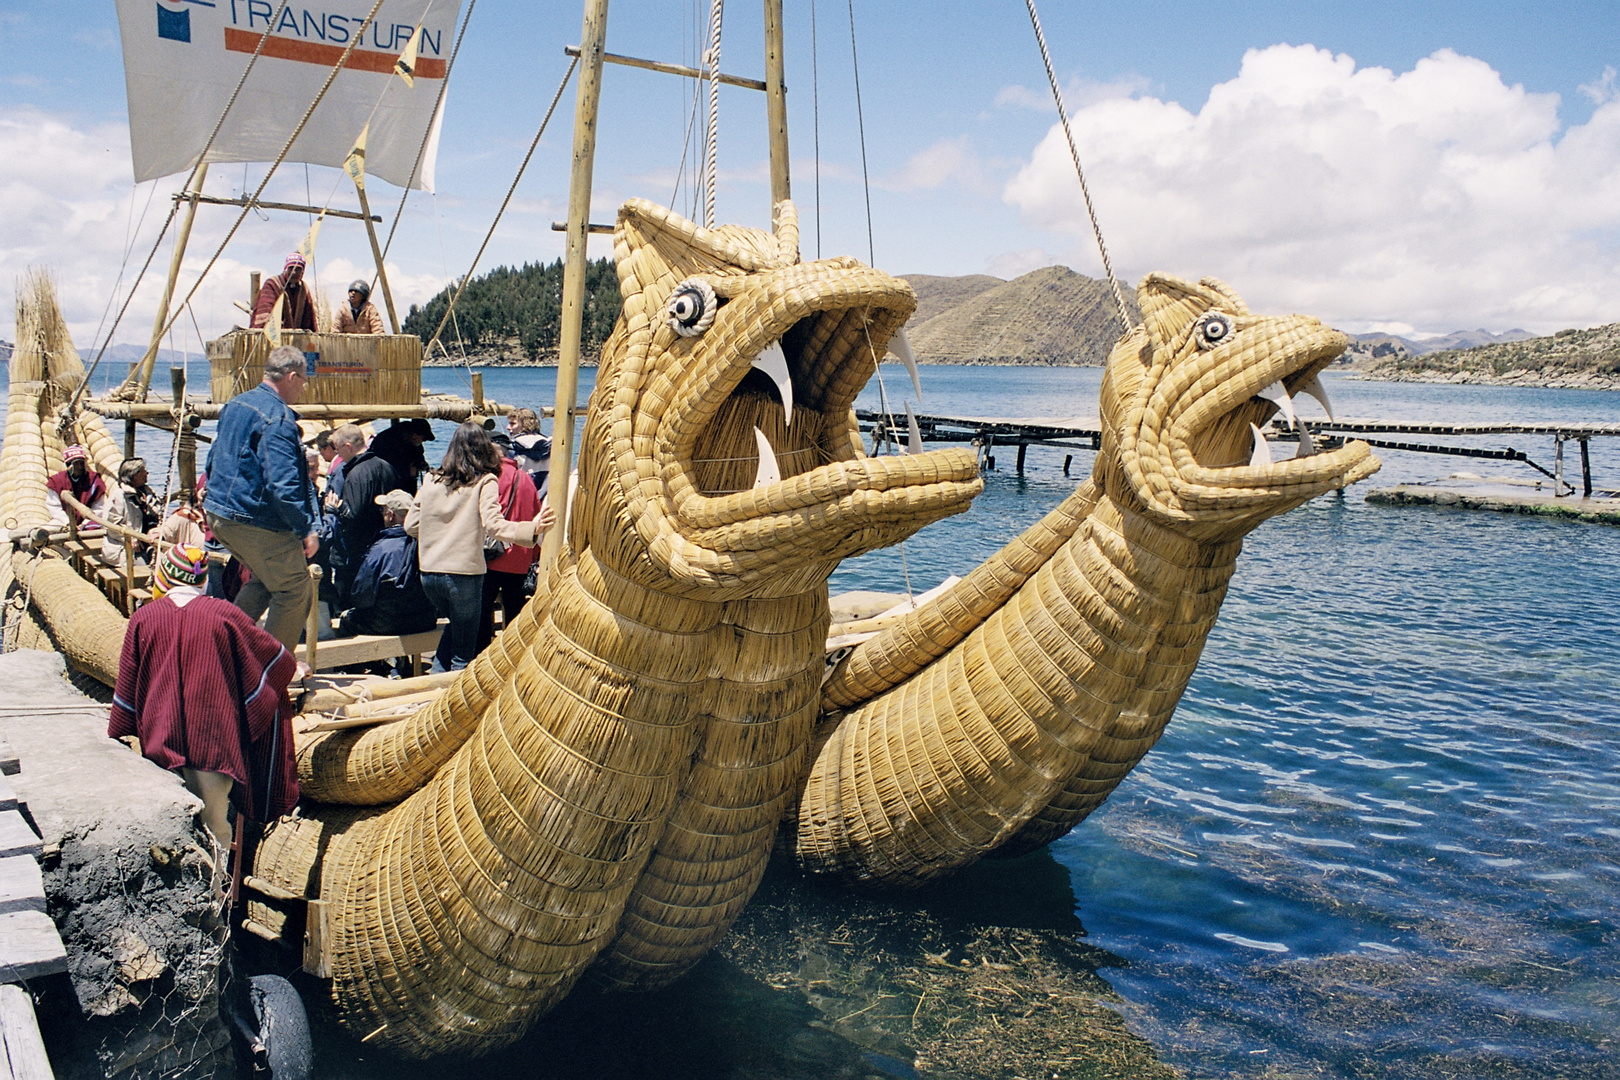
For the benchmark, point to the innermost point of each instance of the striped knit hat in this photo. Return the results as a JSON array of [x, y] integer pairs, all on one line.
[[295, 259], [74, 453], [179, 566]]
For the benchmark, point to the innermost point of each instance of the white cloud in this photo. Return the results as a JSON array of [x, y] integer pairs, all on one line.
[[71, 207], [1439, 197], [1011, 264], [1077, 93], [1602, 90], [946, 161]]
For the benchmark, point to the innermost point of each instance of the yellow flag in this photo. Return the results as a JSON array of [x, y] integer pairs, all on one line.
[[272, 326], [355, 163], [405, 66], [306, 248]]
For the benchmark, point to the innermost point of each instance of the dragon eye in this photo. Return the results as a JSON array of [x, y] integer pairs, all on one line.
[[691, 307], [1213, 329]]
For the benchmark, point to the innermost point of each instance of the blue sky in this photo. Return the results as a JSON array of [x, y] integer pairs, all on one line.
[[1474, 182]]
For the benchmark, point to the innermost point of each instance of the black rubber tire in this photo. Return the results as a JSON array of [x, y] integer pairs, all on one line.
[[283, 1027]]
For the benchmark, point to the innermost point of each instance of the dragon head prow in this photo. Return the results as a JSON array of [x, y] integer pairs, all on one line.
[[1184, 397], [689, 442]]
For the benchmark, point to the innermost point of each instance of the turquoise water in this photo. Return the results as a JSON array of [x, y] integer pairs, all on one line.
[[1381, 837]]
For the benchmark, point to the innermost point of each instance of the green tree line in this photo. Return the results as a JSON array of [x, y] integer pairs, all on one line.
[[523, 303]]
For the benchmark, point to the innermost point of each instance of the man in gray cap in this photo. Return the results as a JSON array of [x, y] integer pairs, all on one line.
[[359, 315]]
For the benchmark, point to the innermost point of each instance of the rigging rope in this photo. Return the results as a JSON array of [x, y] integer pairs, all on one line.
[[175, 209], [711, 143], [450, 310], [427, 133], [331, 77], [860, 119], [815, 109], [1063, 115]]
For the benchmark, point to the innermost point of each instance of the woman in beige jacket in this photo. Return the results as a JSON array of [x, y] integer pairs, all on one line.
[[457, 508]]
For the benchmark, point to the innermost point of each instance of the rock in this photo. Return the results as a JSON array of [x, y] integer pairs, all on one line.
[[132, 892]]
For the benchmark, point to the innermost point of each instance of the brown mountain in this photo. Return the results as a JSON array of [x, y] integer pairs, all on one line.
[[1580, 358], [936, 295], [1051, 316]]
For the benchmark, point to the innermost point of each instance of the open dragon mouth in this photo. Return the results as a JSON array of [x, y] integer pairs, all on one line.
[[764, 441], [1216, 380]]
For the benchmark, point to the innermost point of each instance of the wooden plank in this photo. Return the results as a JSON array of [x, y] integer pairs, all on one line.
[[16, 838], [22, 886], [316, 959], [9, 765], [19, 1029], [269, 888], [30, 947], [359, 650], [8, 797]]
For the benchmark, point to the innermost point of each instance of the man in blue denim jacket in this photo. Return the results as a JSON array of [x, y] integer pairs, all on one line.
[[260, 502]]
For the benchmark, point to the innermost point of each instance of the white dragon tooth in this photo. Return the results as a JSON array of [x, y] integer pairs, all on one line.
[[900, 346], [1307, 445], [1277, 394], [1315, 389], [914, 443], [773, 362], [1262, 449], [769, 471]]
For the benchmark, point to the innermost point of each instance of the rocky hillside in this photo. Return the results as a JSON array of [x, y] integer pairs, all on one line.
[[1051, 316], [1584, 358]]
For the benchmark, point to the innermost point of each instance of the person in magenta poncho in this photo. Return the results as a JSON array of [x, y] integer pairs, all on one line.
[[298, 313], [205, 691]]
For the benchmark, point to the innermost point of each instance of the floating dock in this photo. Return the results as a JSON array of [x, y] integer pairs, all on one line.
[[1500, 494]]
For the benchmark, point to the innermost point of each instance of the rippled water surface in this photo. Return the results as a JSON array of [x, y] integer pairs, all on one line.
[[1381, 837]]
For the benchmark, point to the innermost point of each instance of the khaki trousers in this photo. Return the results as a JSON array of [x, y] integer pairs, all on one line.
[[280, 576]]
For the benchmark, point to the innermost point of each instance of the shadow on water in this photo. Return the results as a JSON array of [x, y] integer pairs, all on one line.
[[982, 976]]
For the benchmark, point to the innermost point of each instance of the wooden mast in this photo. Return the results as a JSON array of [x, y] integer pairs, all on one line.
[[776, 105], [593, 39], [144, 378]]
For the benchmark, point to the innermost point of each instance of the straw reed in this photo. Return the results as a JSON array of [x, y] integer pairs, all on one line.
[[350, 369], [67, 612], [1002, 713], [602, 787]]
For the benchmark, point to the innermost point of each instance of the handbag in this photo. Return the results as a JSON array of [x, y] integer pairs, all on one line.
[[494, 549]]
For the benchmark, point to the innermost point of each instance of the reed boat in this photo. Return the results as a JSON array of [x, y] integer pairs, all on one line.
[[597, 795]]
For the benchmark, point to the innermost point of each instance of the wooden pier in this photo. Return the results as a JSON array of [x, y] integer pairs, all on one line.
[[892, 430]]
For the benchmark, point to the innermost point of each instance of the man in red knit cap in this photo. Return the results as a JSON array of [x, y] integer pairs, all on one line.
[[205, 691]]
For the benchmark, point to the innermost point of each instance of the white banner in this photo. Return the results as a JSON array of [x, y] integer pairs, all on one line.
[[182, 59]]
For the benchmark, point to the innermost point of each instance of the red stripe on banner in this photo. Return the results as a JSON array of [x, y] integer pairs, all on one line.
[[312, 52]]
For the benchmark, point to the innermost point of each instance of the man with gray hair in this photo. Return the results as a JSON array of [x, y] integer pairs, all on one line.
[[260, 502]]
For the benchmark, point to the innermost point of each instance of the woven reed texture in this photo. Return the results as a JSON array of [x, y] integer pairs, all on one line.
[[350, 369], [68, 613], [1016, 733], [618, 766]]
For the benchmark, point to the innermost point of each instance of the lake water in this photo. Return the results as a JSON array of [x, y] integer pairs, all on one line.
[[1381, 837]]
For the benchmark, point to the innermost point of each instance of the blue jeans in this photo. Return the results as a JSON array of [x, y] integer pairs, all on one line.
[[459, 598]]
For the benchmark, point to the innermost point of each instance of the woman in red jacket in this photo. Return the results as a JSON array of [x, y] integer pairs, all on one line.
[[507, 575]]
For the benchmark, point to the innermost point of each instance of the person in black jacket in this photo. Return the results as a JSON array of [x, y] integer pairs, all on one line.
[[359, 518], [400, 444], [387, 587]]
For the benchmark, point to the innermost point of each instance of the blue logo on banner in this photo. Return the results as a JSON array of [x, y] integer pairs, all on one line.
[[311, 359], [174, 25]]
